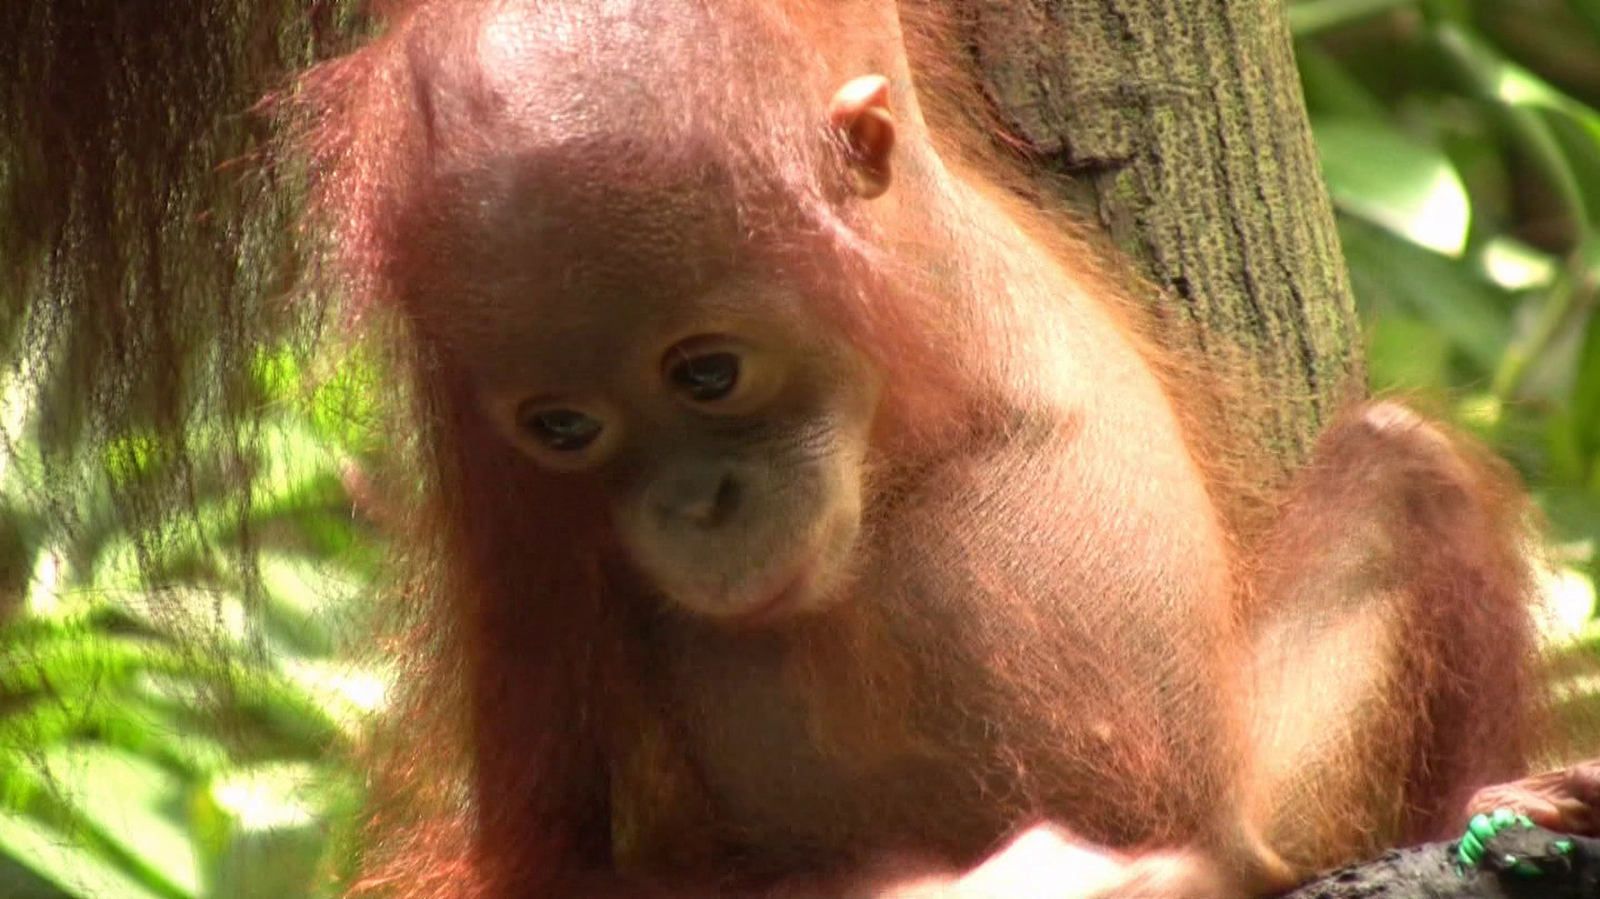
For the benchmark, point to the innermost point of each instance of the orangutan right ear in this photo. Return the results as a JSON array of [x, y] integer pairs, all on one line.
[[859, 111]]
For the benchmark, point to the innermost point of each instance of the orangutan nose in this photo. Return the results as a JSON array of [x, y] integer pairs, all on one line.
[[704, 499]]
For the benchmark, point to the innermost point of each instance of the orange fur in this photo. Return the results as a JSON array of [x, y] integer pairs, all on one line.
[[1068, 613]]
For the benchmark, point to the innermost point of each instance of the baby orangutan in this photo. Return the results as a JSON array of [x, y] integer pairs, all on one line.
[[814, 520]]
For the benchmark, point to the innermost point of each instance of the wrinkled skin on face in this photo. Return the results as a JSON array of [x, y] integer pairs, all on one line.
[[730, 444], [726, 428]]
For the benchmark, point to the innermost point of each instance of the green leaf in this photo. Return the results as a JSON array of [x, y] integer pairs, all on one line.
[[1377, 173], [76, 870], [1574, 516], [1578, 697], [1311, 16], [1588, 11], [1569, 596], [1520, 95], [261, 830], [1330, 89], [88, 667], [1406, 354], [1585, 403], [302, 598], [1549, 335], [1564, 458], [347, 693], [1390, 274], [1520, 87], [299, 468], [1514, 265], [129, 803], [1580, 146]]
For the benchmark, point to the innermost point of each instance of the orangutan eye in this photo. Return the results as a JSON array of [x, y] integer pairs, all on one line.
[[705, 378], [561, 430]]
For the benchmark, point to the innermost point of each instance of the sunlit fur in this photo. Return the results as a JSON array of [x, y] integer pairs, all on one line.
[[1051, 610]]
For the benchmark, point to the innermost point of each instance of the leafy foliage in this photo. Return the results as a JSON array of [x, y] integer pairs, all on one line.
[[185, 742], [1461, 144]]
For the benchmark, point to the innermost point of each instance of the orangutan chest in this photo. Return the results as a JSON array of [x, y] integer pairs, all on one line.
[[759, 772]]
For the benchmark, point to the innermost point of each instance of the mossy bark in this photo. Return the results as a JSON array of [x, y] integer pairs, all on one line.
[[1180, 128]]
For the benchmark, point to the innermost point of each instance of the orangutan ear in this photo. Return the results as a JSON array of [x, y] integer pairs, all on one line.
[[859, 111]]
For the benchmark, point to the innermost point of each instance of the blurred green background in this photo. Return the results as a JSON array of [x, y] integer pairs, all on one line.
[[196, 745]]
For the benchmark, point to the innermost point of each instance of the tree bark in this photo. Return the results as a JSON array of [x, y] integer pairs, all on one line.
[[1179, 126], [1434, 871]]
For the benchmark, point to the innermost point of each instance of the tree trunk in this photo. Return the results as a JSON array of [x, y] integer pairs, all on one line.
[[1179, 126]]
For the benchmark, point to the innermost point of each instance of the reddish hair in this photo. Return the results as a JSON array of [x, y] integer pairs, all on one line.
[[514, 575]]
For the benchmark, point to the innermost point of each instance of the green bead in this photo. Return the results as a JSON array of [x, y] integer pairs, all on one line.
[[1522, 867]]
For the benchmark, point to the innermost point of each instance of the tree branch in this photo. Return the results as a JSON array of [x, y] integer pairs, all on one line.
[[1433, 871]]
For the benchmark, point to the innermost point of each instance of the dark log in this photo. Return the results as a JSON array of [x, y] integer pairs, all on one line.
[[1434, 871]]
